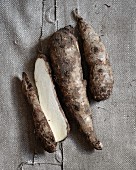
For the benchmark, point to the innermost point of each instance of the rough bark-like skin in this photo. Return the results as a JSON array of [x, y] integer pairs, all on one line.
[[101, 77], [42, 128], [66, 64]]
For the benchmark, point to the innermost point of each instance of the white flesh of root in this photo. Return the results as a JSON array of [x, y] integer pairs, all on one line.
[[48, 100]]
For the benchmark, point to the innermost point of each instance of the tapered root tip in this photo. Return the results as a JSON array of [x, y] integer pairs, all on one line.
[[24, 75], [25, 78], [26, 84], [51, 148], [98, 146], [76, 15]]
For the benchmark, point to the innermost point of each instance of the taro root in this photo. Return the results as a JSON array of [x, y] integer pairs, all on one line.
[[66, 64], [100, 72]]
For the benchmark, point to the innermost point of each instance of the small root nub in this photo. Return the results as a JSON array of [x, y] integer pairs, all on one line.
[[76, 15], [98, 146]]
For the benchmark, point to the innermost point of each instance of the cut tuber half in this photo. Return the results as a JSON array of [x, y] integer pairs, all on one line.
[[48, 99], [51, 125], [42, 128]]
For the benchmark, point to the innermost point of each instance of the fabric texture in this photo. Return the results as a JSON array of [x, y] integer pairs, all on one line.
[[22, 24]]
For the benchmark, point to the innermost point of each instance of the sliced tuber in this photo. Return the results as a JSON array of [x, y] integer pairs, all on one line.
[[66, 64], [48, 99], [42, 128], [51, 125], [100, 77]]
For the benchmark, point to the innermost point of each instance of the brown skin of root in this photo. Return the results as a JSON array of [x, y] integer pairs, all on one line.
[[42, 128], [101, 76], [66, 64]]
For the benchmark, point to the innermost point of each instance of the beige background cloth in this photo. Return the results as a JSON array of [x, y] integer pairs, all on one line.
[[22, 22]]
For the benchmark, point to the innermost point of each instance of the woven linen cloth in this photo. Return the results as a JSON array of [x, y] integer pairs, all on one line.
[[22, 23]]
